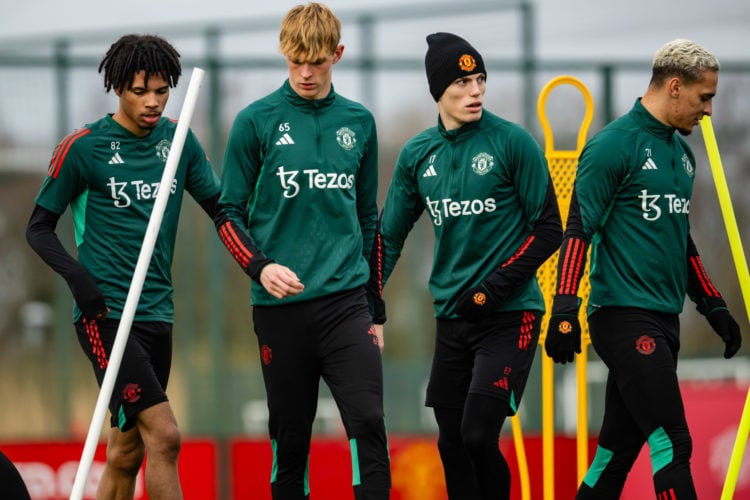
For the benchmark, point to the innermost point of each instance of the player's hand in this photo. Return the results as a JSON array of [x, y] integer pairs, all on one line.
[[476, 304], [88, 296], [727, 328], [564, 331], [379, 336], [716, 312], [280, 281]]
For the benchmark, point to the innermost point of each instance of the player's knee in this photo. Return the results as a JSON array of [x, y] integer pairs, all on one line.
[[292, 445], [683, 444], [670, 447], [449, 441], [126, 457], [479, 440], [168, 443], [447, 446], [368, 424]]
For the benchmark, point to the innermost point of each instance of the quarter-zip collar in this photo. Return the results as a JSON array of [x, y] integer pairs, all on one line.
[[309, 105], [650, 124], [462, 133]]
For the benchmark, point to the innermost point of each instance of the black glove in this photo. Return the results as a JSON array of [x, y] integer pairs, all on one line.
[[715, 310], [87, 295], [564, 330], [476, 304]]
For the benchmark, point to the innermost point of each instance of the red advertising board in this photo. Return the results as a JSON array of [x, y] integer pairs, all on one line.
[[49, 469], [713, 411], [416, 470]]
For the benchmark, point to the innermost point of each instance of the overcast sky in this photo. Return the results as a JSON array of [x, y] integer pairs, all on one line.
[[576, 30], [630, 29]]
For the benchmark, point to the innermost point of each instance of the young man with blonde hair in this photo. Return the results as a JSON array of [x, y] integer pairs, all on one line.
[[632, 199], [303, 160]]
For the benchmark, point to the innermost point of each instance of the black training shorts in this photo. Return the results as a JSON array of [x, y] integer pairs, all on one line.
[[493, 358], [144, 371]]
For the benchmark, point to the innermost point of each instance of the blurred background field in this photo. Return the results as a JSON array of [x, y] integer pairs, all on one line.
[[50, 86]]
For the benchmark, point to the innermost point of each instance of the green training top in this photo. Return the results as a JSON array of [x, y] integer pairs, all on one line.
[[307, 170], [110, 178], [483, 186], [634, 183]]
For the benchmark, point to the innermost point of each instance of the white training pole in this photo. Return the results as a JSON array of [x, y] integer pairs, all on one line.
[[136, 285]]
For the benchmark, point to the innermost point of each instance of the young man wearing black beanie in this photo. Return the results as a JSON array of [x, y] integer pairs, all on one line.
[[486, 187]]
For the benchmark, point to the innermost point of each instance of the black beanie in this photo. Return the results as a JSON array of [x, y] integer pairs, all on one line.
[[448, 58]]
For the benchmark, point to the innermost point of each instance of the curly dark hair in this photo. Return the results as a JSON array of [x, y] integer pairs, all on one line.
[[134, 53]]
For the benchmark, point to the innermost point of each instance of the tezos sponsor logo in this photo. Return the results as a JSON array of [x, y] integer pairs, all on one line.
[[650, 204], [124, 192], [447, 207], [312, 179]]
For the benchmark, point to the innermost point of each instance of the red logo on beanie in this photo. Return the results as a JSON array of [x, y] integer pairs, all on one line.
[[480, 299], [467, 63]]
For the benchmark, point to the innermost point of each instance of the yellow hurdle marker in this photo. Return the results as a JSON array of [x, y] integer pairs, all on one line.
[[562, 166], [735, 243]]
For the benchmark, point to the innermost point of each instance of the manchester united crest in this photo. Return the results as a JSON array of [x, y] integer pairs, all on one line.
[[467, 63], [688, 166], [265, 354], [645, 345], [131, 393], [565, 327], [345, 137], [482, 163], [162, 149]]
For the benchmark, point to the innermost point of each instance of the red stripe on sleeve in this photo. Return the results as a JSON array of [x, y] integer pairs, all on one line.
[[62, 150], [380, 263], [519, 252], [564, 269], [571, 267], [235, 246], [700, 272]]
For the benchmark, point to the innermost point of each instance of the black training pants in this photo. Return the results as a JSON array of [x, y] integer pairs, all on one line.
[[333, 338], [643, 404]]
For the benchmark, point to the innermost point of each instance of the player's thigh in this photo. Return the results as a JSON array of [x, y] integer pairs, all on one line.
[[288, 352], [504, 356], [452, 365], [350, 358], [138, 385], [640, 350]]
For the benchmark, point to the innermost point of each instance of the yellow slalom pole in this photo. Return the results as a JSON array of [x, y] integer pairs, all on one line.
[[740, 264], [523, 466], [562, 164]]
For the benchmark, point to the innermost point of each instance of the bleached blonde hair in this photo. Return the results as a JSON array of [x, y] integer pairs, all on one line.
[[682, 58], [309, 33]]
